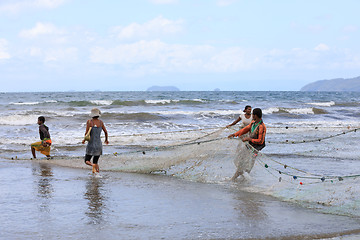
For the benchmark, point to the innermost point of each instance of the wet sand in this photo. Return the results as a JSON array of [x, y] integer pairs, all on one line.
[[44, 201]]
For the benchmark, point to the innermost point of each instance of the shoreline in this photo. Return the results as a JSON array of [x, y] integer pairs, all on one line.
[[117, 193]]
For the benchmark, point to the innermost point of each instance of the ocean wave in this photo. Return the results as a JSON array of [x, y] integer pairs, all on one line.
[[348, 104], [128, 103], [231, 101], [24, 103], [271, 110], [80, 103], [135, 103], [136, 116], [101, 102], [160, 101], [174, 101], [18, 120], [323, 104], [32, 103], [297, 111]]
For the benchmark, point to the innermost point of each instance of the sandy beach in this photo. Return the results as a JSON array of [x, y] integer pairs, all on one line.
[[45, 201]]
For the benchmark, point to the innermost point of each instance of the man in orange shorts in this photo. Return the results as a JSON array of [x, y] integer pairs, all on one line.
[[44, 145]]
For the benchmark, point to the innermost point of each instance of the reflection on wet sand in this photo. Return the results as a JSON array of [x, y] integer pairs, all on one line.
[[249, 207], [44, 187], [95, 200]]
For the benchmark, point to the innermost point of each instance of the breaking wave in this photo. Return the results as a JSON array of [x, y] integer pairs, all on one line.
[[295, 111]]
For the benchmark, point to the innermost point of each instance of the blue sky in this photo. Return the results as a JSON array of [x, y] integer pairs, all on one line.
[[240, 45]]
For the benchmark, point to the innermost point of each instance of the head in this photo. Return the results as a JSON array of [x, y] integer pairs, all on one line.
[[95, 113], [257, 114], [247, 109], [41, 120]]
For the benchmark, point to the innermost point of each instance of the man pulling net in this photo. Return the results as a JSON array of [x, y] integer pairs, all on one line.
[[256, 139]]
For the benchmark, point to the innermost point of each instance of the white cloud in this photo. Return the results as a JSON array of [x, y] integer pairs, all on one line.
[[163, 1], [66, 54], [41, 29], [156, 56], [154, 28], [3, 50], [149, 57], [16, 6], [322, 47]]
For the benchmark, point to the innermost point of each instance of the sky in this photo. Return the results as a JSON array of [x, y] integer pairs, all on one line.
[[195, 45]]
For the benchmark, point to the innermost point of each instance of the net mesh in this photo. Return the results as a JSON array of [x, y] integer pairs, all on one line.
[[206, 156]]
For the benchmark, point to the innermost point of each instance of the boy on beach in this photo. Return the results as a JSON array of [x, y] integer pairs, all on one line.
[[44, 145]]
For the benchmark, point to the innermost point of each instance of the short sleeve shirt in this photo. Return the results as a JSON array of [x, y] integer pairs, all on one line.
[[245, 121]]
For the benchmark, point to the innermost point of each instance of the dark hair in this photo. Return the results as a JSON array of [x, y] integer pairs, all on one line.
[[41, 118], [246, 107], [257, 112]]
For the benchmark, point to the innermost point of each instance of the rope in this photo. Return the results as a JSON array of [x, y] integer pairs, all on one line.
[[169, 146], [310, 175], [155, 133], [206, 135], [315, 140]]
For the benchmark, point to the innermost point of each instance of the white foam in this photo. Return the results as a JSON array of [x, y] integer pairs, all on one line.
[[102, 102], [271, 110], [25, 103], [167, 101], [197, 100], [323, 104], [164, 101], [301, 111], [20, 120], [32, 103], [289, 110], [168, 112]]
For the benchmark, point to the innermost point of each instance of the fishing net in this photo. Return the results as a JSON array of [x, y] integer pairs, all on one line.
[[320, 172], [209, 156], [195, 155]]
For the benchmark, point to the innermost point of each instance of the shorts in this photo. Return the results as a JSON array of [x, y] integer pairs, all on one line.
[[38, 146], [257, 146]]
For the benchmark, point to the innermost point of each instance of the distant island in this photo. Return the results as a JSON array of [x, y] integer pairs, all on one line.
[[163, 88], [334, 85]]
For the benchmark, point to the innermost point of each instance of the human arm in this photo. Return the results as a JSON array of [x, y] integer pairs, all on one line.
[[106, 133], [261, 135], [44, 132], [235, 122], [44, 135], [87, 129], [241, 131]]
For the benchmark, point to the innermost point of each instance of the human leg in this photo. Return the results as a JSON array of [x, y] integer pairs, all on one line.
[[33, 152], [88, 160], [95, 162], [236, 174], [36, 146]]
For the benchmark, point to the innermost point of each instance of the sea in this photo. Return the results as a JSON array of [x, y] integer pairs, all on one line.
[[167, 170]]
